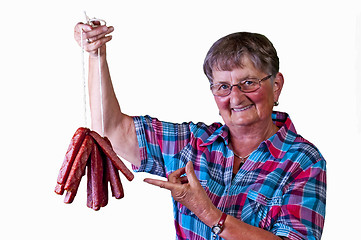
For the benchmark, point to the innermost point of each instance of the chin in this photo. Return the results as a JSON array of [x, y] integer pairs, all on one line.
[[242, 120]]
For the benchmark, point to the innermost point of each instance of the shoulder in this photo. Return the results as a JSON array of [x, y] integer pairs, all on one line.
[[306, 153], [296, 147]]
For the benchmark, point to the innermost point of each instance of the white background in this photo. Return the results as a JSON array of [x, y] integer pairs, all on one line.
[[155, 59]]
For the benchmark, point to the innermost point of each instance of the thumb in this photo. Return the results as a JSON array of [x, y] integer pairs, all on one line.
[[191, 176]]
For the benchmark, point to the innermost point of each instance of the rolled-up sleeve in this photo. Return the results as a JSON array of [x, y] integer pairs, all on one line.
[[302, 214], [158, 141]]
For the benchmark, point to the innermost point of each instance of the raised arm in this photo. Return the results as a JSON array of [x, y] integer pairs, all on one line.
[[118, 127]]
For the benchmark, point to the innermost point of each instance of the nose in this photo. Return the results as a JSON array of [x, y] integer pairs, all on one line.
[[236, 95]]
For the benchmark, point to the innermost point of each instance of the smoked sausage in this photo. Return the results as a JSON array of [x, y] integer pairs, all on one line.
[[79, 164], [109, 152], [70, 155], [96, 173]]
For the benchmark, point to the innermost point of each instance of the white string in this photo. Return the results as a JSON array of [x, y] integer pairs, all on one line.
[[84, 78], [90, 22], [101, 92]]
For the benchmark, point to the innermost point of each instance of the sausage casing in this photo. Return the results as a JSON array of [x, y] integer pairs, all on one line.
[[78, 167], [109, 152], [71, 153], [96, 172]]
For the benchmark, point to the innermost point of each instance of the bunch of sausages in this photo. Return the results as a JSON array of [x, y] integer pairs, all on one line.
[[89, 153]]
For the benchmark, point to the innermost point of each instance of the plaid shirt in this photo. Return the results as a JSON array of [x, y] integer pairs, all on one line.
[[280, 188]]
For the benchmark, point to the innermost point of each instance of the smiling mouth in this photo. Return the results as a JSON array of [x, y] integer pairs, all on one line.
[[242, 109]]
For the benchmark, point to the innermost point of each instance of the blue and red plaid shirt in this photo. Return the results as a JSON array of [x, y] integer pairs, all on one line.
[[280, 188]]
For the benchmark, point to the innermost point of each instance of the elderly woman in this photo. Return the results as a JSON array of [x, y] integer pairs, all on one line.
[[254, 177]]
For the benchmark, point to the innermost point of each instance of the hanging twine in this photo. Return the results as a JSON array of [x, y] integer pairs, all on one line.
[[91, 22], [83, 78]]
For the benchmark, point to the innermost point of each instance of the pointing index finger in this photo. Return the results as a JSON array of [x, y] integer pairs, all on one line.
[[160, 183]]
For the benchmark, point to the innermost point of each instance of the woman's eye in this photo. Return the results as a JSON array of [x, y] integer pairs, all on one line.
[[248, 82], [223, 86]]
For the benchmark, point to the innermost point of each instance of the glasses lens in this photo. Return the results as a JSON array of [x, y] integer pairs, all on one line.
[[249, 85], [221, 89]]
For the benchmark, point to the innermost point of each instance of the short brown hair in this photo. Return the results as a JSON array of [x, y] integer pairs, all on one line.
[[227, 53]]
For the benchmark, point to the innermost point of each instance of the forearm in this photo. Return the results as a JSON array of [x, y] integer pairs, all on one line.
[[118, 127], [234, 228], [111, 109]]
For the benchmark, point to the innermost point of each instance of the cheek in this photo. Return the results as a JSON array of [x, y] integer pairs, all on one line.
[[263, 99], [222, 103]]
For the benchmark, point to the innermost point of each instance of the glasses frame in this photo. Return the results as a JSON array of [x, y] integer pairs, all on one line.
[[239, 87]]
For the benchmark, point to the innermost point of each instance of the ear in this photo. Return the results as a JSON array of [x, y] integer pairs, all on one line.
[[277, 86]]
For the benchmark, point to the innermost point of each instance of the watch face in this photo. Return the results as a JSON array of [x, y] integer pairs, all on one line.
[[216, 229]]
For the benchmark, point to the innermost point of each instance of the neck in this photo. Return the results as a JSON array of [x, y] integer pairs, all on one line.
[[245, 139]]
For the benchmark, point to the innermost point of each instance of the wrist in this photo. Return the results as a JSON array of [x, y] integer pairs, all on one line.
[[212, 216], [218, 228], [95, 54]]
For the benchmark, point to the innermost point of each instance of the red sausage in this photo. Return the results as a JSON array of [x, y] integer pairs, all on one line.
[[69, 196], [107, 149], [96, 177], [114, 179], [79, 164], [113, 176], [71, 153], [59, 189], [89, 192], [104, 197]]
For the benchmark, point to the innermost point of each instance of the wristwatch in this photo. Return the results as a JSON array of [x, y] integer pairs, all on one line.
[[218, 228]]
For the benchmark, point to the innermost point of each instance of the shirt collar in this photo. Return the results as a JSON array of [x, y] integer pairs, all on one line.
[[222, 132], [278, 144]]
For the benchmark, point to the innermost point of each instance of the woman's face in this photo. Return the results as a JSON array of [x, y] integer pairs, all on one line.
[[247, 109]]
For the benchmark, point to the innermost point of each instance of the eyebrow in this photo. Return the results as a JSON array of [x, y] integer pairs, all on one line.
[[239, 80]]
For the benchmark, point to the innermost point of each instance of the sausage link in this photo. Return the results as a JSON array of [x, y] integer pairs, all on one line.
[[59, 189], [79, 164], [107, 149], [71, 153], [115, 182], [89, 188], [114, 178], [70, 195], [104, 197], [96, 177]]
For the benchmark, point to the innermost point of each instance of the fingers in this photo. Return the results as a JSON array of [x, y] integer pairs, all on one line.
[[183, 180], [93, 37], [82, 26], [160, 183], [97, 33], [92, 47], [174, 177], [192, 178]]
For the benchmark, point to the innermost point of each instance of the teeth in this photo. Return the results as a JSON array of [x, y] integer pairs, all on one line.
[[242, 109]]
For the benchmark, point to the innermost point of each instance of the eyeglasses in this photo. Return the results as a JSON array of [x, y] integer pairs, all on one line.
[[247, 85]]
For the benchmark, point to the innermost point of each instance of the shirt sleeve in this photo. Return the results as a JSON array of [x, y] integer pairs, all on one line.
[[158, 142], [302, 214]]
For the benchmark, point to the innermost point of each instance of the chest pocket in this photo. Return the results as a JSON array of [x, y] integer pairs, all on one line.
[[260, 210]]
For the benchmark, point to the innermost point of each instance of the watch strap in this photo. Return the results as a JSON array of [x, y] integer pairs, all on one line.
[[222, 220], [218, 228]]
